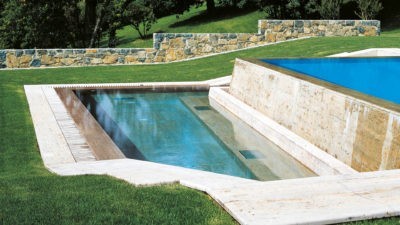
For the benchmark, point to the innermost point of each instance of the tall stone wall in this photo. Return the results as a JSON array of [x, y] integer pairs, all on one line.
[[361, 134], [174, 47]]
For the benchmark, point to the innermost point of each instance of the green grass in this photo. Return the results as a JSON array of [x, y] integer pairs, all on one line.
[[30, 194], [194, 21]]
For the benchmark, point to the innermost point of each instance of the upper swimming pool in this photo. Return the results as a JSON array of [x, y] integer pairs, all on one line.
[[378, 77]]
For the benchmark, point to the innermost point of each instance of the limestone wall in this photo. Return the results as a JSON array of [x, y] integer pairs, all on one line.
[[280, 30], [173, 47], [362, 135]]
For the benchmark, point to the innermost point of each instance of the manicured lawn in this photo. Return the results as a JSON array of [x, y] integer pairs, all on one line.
[[194, 21], [29, 194]]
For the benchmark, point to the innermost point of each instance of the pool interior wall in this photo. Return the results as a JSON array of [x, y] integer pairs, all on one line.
[[180, 128], [363, 134]]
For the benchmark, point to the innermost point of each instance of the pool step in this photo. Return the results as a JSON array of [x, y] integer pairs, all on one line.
[[238, 136]]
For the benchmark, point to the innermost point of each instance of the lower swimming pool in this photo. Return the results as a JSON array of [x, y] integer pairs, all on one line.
[[181, 129]]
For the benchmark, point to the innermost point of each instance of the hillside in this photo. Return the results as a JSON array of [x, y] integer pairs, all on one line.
[[195, 21], [223, 21]]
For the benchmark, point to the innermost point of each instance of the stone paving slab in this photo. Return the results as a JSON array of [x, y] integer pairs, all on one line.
[[319, 200]]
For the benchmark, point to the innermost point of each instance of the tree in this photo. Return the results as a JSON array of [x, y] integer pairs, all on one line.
[[327, 9], [284, 9], [141, 16], [30, 23], [368, 9]]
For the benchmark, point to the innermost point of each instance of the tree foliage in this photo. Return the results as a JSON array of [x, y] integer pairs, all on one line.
[[84, 23], [327, 9], [140, 14], [368, 9], [284, 9], [25, 24]]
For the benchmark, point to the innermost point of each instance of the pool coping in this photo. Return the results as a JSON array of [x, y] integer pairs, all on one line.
[[315, 200]]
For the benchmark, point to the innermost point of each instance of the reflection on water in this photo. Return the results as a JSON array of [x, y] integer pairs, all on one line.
[[182, 129], [159, 127]]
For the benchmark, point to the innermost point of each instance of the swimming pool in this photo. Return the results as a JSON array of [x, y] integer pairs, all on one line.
[[182, 129], [378, 77]]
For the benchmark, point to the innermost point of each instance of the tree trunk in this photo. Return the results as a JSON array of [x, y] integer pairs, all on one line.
[[95, 33], [112, 38], [90, 17], [210, 6]]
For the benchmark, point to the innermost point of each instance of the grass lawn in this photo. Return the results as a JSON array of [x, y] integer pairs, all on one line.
[[194, 21], [29, 194]]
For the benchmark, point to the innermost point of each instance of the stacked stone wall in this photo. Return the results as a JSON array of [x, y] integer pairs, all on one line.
[[169, 47], [280, 30]]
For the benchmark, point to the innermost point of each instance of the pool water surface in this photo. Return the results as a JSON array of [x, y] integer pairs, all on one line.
[[181, 129], [375, 76]]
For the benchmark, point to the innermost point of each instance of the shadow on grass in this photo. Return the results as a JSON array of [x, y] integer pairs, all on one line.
[[126, 40], [218, 14], [391, 24]]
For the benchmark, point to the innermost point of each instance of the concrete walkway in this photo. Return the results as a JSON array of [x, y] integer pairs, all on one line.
[[317, 200]]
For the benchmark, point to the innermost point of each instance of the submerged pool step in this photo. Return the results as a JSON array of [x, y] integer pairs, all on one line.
[[252, 154], [202, 107]]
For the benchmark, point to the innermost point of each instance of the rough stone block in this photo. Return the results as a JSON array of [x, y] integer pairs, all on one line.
[[93, 50], [25, 60], [270, 37], [121, 60], [131, 58], [18, 53], [41, 52], [177, 43], [47, 60], [3, 55], [170, 55], [207, 49], [370, 31], [36, 63], [12, 61], [110, 59], [87, 60], [29, 51]]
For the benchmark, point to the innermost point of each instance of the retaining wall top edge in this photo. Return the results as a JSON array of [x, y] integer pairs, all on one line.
[[72, 49], [317, 20]]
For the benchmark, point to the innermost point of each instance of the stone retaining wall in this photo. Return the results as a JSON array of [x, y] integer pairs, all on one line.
[[173, 47], [361, 134], [280, 30]]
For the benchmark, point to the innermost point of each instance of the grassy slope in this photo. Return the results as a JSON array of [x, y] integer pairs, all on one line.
[[195, 21], [30, 194]]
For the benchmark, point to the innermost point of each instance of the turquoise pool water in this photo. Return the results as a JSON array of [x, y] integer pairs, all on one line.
[[158, 127], [378, 77], [182, 129]]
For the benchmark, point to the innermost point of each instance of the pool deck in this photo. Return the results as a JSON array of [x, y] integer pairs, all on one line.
[[316, 200]]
